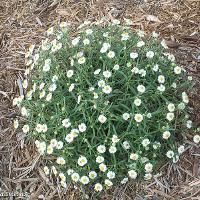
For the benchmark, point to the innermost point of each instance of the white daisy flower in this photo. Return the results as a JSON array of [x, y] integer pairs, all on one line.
[[126, 116], [116, 67], [46, 170], [107, 74], [102, 119], [111, 54], [53, 142], [92, 175], [115, 139], [86, 41], [141, 88], [101, 149], [75, 41], [137, 102], [54, 78], [161, 79], [138, 117], [166, 135], [148, 176], [96, 72], [84, 180], [155, 68], [52, 87], [16, 123], [111, 175], [49, 97], [42, 94], [49, 149], [101, 83], [66, 123], [161, 88], [115, 22], [25, 84], [135, 70], [125, 36], [148, 167], [41, 86], [105, 34], [132, 174], [24, 111], [181, 106], [25, 128], [108, 182], [59, 145], [126, 145], [50, 31], [71, 87], [75, 177], [70, 172], [81, 60], [70, 73], [140, 33], [181, 149], [60, 161], [112, 149], [134, 156], [170, 116], [128, 22], [171, 107], [185, 97], [189, 124], [99, 159], [107, 89], [149, 115], [82, 127], [69, 138], [54, 170], [82, 160], [140, 43], [44, 128], [89, 31], [177, 70], [74, 132], [98, 187], [196, 139], [145, 142], [142, 72], [102, 167], [124, 180], [170, 154], [39, 128], [133, 55], [150, 54]]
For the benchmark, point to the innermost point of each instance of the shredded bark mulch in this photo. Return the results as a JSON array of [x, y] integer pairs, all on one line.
[[24, 22]]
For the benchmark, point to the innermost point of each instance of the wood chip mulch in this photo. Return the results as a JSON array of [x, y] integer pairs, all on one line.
[[23, 22]]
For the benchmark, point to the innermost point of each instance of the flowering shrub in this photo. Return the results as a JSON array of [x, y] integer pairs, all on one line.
[[108, 104]]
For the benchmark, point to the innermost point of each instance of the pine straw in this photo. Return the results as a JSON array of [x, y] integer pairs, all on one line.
[[24, 22]]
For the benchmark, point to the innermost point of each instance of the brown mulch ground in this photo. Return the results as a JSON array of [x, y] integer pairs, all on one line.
[[23, 22]]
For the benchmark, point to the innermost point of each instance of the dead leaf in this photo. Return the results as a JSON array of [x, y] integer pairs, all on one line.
[[172, 44], [152, 18]]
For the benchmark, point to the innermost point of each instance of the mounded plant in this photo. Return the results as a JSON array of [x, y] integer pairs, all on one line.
[[108, 104]]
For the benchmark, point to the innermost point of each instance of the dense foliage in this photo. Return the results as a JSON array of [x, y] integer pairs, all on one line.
[[108, 104]]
